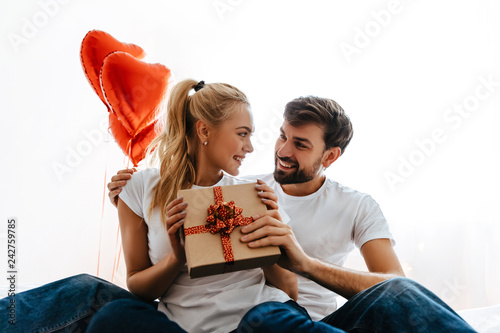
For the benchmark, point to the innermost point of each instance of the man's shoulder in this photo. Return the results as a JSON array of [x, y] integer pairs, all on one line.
[[344, 191]]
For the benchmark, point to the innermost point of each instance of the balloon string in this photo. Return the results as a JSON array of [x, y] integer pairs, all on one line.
[[101, 225], [115, 263], [129, 150], [119, 256], [118, 246], [102, 209]]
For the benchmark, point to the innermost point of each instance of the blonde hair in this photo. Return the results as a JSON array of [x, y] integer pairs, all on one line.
[[175, 149]]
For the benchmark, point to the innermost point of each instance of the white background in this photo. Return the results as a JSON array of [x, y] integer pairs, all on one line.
[[401, 69]]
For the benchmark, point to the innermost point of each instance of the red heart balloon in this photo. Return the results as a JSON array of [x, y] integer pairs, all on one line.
[[134, 147], [134, 90], [96, 45]]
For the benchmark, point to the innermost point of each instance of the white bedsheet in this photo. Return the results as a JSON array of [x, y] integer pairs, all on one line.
[[484, 320]]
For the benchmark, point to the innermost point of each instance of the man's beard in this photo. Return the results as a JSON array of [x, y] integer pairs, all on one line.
[[298, 176]]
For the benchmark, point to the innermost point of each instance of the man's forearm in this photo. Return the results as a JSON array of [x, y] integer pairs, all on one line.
[[343, 281]]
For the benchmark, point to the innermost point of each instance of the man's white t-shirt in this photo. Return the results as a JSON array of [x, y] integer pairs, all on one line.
[[328, 224], [208, 304]]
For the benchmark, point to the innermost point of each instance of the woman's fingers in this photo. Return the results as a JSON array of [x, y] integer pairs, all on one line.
[[176, 212], [175, 227], [270, 204], [266, 193], [174, 202]]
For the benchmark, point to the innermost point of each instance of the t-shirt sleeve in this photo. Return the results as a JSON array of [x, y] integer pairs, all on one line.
[[133, 193], [370, 223]]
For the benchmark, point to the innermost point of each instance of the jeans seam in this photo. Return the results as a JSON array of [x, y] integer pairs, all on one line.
[[67, 323]]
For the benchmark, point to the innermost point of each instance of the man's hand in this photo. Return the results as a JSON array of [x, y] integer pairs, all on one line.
[[267, 229], [117, 182]]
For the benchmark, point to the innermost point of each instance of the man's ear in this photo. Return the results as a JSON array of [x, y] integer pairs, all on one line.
[[331, 156], [202, 131]]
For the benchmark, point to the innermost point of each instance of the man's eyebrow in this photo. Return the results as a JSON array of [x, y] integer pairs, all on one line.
[[304, 140], [296, 138]]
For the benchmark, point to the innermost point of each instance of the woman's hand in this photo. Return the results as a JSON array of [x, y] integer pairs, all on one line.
[[176, 212], [269, 225], [267, 195], [144, 279]]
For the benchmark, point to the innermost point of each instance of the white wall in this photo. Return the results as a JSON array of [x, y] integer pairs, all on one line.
[[407, 72]]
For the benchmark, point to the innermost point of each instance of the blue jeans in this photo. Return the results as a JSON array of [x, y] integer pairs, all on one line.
[[128, 316], [66, 305], [397, 305], [272, 317]]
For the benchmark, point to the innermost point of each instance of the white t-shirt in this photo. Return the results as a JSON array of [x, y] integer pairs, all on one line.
[[328, 224], [208, 304]]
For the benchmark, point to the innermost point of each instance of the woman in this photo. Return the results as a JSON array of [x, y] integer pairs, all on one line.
[[206, 138]]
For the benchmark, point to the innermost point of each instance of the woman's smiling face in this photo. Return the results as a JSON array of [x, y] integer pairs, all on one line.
[[228, 145]]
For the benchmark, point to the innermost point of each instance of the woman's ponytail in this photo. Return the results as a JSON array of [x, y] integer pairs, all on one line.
[[177, 166]]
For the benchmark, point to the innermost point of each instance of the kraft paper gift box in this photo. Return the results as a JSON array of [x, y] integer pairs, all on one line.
[[210, 253]]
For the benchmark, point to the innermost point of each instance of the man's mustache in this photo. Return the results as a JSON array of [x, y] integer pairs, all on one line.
[[287, 160]]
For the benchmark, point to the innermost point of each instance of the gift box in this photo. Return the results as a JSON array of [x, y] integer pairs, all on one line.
[[211, 230]]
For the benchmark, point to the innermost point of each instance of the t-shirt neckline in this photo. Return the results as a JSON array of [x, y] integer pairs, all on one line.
[[305, 197]]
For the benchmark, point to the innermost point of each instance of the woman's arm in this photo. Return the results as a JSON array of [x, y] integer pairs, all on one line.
[[144, 279], [275, 275], [282, 279]]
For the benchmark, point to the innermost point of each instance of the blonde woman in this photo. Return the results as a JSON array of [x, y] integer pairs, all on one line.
[[206, 138]]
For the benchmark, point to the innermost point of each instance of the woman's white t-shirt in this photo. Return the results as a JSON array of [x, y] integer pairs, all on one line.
[[208, 304]]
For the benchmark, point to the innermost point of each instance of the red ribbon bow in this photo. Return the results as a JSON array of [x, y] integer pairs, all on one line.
[[222, 218]]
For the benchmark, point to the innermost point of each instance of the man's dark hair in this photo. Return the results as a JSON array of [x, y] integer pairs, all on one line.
[[324, 112]]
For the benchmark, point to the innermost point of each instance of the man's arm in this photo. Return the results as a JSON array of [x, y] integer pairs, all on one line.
[[379, 256], [380, 259], [117, 182]]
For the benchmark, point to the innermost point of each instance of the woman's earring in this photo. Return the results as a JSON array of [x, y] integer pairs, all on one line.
[[205, 143]]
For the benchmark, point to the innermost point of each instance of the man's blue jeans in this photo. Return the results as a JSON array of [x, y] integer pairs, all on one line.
[[397, 305], [66, 305]]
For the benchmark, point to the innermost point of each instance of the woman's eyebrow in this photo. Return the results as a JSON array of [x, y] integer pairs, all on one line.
[[246, 128]]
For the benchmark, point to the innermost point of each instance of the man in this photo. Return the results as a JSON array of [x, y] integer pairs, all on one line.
[[326, 221]]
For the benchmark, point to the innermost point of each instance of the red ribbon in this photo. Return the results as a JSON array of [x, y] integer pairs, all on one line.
[[222, 218]]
